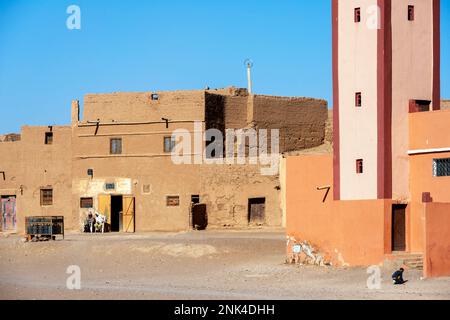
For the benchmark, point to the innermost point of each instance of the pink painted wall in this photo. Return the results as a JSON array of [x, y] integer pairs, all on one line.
[[347, 232], [429, 130], [358, 126], [437, 240], [412, 78]]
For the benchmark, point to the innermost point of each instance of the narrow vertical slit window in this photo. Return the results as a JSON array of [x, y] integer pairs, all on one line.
[[410, 13], [358, 99], [357, 15], [359, 166]]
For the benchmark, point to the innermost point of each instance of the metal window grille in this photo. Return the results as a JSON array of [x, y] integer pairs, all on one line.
[[110, 186], [441, 167]]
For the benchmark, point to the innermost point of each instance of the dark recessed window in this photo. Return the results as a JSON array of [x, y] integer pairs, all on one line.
[[46, 197], [49, 138], [169, 144], [173, 201], [410, 13], [357, 15], [441, 167], [419, 106], [155, 97], [359, 166], [86, 203], [116, 146], [358, 99], [195, 199]]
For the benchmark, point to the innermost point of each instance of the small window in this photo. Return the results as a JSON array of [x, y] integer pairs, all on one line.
[[155, 97], [169, 144], [358, 99], [195, 199], [441, 167], [359, 166], [49, 138], [86, 203], [173, 201], [110, 186], [116, 146], [419, 106], [410, 13], [358, 15], [46, 197]]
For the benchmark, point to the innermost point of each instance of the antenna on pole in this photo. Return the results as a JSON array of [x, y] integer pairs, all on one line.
[[249, 64]]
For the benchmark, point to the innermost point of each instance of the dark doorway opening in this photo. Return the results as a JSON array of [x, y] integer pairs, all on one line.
[[399, 227], [257, 211], [116, 213], [199, 216]]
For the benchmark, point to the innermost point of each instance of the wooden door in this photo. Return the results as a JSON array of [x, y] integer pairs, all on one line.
[[399, 228], [128, 214], [104, 206], [8, 214], [257, 208]]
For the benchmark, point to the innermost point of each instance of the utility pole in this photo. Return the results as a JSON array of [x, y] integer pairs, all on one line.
[[249, 64]]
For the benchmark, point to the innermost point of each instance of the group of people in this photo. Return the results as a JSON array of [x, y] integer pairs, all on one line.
[[95, 222]]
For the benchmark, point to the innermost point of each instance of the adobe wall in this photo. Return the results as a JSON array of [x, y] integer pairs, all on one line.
[[445, 104], [142, 162], [437, 240], [11, 156], [236, 112], [301, 121], [427, 131], [30, 165], [422, 180], [139, 106], [329, 128], [348, 233], [143, 169], [226, 190]]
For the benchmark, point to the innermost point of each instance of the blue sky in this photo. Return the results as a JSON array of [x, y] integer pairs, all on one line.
[[163, 45]]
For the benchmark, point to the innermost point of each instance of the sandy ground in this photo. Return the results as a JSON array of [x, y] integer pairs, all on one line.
[[197, 265]]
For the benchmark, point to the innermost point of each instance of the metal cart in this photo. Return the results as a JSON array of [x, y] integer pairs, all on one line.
[[44, 228]]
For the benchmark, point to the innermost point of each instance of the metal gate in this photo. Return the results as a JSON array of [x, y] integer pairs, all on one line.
[[8, 213]]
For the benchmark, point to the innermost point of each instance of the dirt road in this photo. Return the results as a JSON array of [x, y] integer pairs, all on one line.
[[197, 265]]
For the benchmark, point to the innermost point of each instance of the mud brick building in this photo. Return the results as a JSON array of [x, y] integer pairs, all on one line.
[[115, 158]]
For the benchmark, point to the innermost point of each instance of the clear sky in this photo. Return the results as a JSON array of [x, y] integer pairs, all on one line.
[[163, 45]]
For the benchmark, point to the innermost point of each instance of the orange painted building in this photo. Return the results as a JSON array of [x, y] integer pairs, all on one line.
[[384, 193]]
